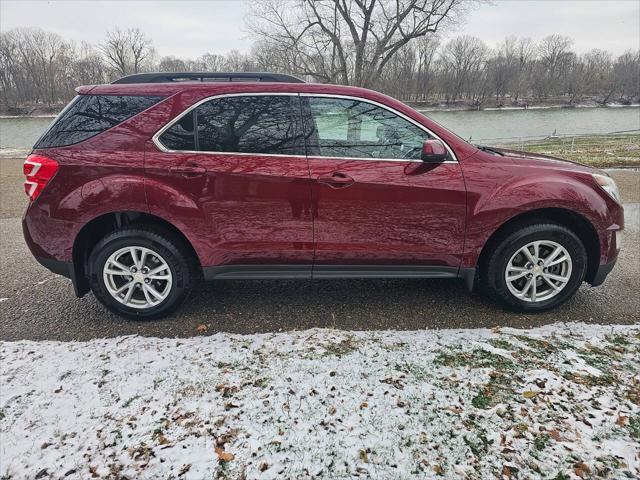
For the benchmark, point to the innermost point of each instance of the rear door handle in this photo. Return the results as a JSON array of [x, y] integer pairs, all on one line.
[[188, 170], [336, 180]]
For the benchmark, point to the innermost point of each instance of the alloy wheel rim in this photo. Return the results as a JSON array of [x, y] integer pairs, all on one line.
[[137, 277], [538, 271]]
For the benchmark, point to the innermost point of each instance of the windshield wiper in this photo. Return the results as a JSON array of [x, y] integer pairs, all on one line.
[[489, 149]]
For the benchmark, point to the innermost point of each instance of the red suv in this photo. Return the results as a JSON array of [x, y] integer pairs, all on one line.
[[142, 187]]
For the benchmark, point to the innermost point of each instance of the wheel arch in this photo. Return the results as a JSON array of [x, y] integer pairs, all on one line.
[[574, 221], [98, 227]]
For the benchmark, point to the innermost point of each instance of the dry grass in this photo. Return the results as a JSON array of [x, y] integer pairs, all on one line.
[[596, 150]]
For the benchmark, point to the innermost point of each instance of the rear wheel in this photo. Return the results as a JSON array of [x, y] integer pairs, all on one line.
[[536, 267], [141, 272]]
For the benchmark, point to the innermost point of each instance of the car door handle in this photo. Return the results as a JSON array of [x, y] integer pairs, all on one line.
[[188, 170], [336, 180]]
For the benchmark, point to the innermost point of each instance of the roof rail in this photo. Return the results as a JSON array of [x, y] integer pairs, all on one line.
[[170, 77]]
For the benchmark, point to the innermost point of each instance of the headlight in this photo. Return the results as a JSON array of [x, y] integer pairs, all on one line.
[[609, 186]]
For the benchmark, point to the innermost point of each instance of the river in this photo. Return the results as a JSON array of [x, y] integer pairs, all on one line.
[[480, 126]]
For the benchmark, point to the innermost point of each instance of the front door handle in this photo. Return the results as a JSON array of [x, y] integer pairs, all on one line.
[[336, 180], [188, 170]]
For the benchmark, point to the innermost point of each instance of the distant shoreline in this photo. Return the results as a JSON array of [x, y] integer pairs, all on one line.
[[509, 108], [423, 107]]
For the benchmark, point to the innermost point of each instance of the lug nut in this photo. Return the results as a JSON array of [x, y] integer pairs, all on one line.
[[134, 269], [146, 280], [145, 270], [529, 275]]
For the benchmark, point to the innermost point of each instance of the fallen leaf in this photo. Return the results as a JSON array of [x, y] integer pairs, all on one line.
[[529, 394], [555, 435], [185, 468], [622, 420], [364, 405], [202, 328], [364, 456], [263, 466], [58, 390], [222, 455], [582, 470], [506, 471]]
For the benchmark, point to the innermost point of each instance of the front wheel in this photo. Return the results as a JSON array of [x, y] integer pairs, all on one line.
[[537, 267], [140, 272]]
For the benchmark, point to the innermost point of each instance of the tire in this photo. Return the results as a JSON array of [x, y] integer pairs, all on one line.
[[158, 248], [550, 238]]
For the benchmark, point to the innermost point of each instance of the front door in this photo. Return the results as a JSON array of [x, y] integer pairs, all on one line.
[[376, 204], [234, 172]]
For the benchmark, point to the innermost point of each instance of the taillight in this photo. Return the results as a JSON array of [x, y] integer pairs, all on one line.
[[38, 170]]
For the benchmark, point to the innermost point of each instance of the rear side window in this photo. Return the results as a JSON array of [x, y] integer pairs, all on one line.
[[261, 124], [89, 115], [181, 135]]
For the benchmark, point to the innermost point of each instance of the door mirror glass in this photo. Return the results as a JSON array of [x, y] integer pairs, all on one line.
[[433, 151]]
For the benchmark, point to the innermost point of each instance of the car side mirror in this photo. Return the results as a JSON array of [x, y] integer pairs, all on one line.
[[433, 151]]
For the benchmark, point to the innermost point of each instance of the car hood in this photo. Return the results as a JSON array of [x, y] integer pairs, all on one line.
[[540, 160]]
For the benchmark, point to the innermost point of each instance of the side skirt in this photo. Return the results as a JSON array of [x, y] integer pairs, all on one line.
[[278, 272]]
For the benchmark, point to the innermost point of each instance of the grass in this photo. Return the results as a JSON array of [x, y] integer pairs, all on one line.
[[478, 358], [593, 150]]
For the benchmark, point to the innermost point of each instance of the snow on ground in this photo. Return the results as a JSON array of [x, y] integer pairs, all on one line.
[[562, 401]]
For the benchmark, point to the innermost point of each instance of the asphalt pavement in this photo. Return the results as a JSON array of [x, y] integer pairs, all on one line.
[[35, 304]]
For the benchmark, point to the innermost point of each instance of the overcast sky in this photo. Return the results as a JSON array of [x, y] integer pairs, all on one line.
[[191, 28]]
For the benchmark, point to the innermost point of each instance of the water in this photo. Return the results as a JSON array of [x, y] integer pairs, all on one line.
[[21, 132], [485, 125], [480, 126]]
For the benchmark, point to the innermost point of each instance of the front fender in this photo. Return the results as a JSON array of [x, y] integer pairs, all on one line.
[[490, 210]]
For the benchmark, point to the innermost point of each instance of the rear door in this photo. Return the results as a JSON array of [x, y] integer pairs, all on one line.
[[376, 204], [233, 170]]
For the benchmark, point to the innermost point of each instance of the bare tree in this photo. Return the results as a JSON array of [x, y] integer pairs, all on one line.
[[626, 75], [127, 50], [172, 64], [348, 41], [39, 67], [554, 58], [463, 62]]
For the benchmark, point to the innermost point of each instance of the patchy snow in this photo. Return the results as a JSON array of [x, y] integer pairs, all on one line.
[[562, 399]]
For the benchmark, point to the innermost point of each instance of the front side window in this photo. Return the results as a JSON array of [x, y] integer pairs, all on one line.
[[250, 124], [352, 128], [89, 115]]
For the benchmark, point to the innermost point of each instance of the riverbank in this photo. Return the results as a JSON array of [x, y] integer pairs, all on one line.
[[51, 111], [531, 104], [605, 151]]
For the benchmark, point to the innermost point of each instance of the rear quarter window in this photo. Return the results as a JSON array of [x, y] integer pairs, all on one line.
[[89, 115]]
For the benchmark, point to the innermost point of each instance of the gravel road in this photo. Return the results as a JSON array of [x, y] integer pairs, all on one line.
[[36, 304]]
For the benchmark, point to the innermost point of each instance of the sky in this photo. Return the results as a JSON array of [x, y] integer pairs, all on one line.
[[191, 28]]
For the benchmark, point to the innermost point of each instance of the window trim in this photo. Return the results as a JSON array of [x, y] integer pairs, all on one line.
[[158, 134], [162, 148], [395, 112]]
